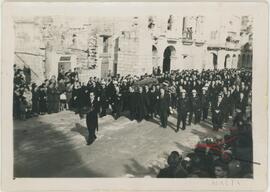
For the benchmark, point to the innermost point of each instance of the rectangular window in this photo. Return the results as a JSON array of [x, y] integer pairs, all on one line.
[[65, 58]]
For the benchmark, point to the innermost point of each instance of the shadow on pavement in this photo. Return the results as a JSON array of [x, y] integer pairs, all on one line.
[[155, 121], [44, 151], [169, 124], [81, 130], [172, 126], [206, 124]]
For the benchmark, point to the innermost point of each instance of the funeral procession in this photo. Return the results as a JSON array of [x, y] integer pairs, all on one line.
[[139, 96]]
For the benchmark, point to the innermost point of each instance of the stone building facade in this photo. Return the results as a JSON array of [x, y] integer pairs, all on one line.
[[246, 51], [105, 47], [29, 48]]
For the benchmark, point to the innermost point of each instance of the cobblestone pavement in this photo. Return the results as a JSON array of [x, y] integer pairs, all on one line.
[[55, 146]]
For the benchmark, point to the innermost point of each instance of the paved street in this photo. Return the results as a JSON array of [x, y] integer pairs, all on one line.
[[55, 146]]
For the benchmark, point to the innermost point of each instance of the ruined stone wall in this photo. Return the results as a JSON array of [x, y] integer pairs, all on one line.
[[128, 56], [29, 48]]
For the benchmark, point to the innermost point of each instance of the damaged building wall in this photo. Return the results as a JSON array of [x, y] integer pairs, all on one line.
[[105, 47]]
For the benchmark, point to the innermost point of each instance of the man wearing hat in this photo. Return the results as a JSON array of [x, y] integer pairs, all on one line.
[[195, 107], [182, 109]]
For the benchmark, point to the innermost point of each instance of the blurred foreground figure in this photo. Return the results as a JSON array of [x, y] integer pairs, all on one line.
[[175, 170]]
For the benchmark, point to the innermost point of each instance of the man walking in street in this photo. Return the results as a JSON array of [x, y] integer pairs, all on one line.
[[182, 109], [92, 118]]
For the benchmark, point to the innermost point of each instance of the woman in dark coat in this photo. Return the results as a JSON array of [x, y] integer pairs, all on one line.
[[42, 99], [51, 95]]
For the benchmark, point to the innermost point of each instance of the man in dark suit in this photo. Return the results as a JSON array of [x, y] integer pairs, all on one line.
[[132, 103], [153, 102], [92, 118], [103, 99], [163, 107], [240, 108], [117, 103], [182, 109], [241, 103], [147, 101], [195, 107], [205, 103], [124, 91], [218, 113], [140, 105]]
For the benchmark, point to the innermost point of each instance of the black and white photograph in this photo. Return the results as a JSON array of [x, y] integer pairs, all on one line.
[[153, 95]]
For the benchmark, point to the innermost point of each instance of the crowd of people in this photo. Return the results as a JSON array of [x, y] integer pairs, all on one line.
[[216, 157], [189, 95], [52, 96]]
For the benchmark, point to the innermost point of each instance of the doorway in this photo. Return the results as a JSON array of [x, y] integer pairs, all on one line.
[[167, 57]]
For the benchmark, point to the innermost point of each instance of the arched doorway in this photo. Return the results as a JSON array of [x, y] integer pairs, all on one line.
[[227, 61], [214, 60], [167, 56]]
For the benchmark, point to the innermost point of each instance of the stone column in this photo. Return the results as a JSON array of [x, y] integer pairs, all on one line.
[[221, 59]]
